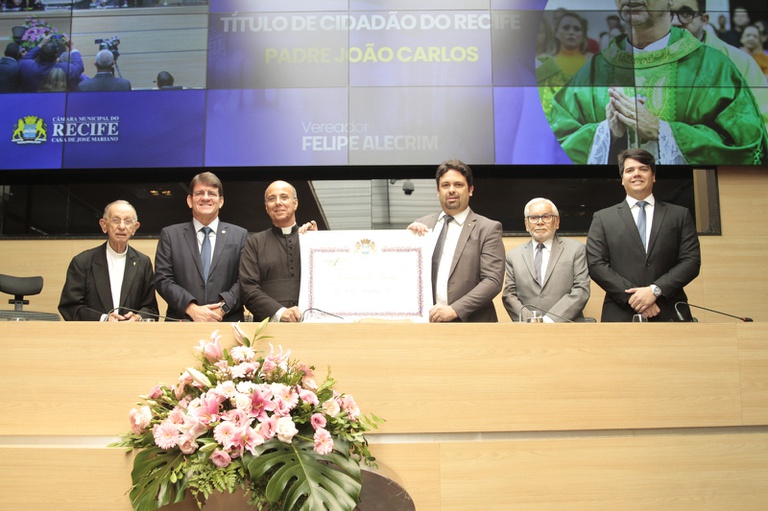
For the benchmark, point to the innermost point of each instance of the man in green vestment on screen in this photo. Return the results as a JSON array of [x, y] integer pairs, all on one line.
[[660, 89]]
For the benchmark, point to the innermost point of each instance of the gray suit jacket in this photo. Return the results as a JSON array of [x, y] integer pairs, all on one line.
[[87, 293], [565, 290], [179, 272], [477, 270], [617, 260]]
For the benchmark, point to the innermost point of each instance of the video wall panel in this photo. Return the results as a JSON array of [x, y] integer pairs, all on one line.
[[262, 83]]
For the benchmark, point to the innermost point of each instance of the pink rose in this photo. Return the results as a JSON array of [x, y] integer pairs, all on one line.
[[220, 458], [140, 419], [156, 392], [268, 428], [317, 420]]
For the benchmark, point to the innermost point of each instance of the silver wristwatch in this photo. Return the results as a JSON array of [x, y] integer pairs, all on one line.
[[656, 290]]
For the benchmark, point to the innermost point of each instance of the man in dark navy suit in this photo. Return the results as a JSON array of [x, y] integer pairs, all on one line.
[[104, 79], [197, 263]]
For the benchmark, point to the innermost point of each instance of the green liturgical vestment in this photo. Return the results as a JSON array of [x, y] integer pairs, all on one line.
[[708, 115]]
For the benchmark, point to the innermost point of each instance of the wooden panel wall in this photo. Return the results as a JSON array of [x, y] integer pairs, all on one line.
[[548, 417]]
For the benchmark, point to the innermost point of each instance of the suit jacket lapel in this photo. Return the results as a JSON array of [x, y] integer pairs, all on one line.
[[629, 221], [528, 255], [131, 267], [191, 237], [101, 278], [554, 256], [221, 239], [659, 212], [466, 230]]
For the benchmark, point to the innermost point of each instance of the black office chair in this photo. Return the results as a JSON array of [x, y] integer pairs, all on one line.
[[20, 287]]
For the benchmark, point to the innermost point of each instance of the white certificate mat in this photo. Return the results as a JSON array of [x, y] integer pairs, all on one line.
[[353, 275]]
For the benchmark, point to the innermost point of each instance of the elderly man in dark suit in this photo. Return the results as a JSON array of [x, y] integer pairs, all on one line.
[[197, 262], [468, 262], [548, 273], [642, 251], [112, 282], [104, 79]]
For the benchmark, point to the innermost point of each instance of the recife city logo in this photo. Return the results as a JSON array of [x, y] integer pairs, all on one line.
[[31, 129]]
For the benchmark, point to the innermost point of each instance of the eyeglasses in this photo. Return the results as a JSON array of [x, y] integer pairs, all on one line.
[[685, 14], [202, 193], [534, 219], [117, 221]]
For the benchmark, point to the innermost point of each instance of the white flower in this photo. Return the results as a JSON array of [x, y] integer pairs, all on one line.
[[331, 408], [198, 377], [286, 429]]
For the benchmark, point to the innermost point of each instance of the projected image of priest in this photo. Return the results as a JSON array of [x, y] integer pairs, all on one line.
[[660, 89]]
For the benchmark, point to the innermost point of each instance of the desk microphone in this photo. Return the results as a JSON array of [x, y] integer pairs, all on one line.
[[144, 314], [681, 318], [543, 313]]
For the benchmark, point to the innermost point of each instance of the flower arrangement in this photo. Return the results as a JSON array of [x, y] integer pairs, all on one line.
[[250, 420], [37, 29]]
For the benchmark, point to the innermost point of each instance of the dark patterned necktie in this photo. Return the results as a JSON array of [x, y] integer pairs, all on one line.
[[438, 254]]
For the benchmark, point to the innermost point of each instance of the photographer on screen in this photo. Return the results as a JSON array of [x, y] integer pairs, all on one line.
[[104, 79], [35, 65]]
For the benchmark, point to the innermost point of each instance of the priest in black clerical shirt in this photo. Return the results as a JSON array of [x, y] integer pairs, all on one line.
[[270, 265]]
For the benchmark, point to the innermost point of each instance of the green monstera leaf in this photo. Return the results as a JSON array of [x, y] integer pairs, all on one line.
[[154, 481], [303, 480]]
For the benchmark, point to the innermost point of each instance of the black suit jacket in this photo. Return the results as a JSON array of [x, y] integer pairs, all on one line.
[[179, 272], [87, 293], [617, 260], [270, 272], [104, 82]]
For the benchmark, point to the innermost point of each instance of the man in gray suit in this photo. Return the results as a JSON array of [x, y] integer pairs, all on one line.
[[636, 279], [468, 267], [548, 273], [111, 282], [197, 263]]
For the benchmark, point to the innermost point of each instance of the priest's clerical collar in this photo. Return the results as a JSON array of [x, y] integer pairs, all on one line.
[[285, 231]]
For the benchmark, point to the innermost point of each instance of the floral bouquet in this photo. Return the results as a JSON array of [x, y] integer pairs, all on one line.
[[246, 420], [37, 29]]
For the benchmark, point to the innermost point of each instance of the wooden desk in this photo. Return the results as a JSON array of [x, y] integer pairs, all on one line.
[[494, 416]]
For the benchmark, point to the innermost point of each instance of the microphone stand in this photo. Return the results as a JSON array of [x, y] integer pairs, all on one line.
[[680, 316]]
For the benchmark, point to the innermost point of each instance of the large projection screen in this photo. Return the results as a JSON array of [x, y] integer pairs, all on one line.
[[264, 83]]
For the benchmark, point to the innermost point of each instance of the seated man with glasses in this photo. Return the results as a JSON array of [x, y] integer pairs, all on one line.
[[197, 262], [548, 274], [111, 282]]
